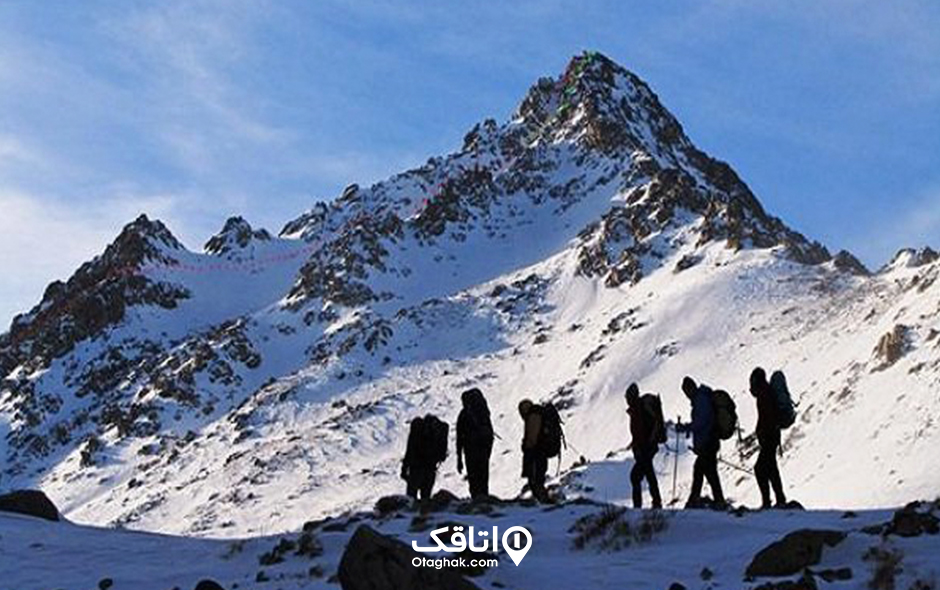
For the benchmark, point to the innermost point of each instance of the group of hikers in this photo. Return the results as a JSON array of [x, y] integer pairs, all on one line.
[[714, 419]]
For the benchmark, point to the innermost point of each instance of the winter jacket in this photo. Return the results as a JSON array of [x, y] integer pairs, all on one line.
[[641, 429], [473, 437], [768, 428], [704, 438]]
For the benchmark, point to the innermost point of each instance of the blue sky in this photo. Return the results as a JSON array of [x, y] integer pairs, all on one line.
[[195, 110]]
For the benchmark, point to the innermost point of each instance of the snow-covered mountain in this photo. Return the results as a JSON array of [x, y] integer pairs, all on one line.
[[581, 245]]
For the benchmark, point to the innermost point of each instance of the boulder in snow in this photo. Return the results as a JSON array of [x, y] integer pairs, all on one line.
[[30, 503], [389, 504], [373, 561], [892, 346], [793, 553], [910, 521]]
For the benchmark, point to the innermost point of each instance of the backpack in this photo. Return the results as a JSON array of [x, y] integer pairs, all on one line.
[[653, 408], [413, 451], [434, 439], [786, 409], [551, 436], [726, 414]]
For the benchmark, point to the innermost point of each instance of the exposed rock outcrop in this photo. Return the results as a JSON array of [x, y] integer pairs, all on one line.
[[793, 553], [373, 561], [30, 503]]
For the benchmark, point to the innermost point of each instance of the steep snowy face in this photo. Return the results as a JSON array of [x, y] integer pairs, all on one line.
[[591, 156], [113, 353], [95, 297], [582, 243]]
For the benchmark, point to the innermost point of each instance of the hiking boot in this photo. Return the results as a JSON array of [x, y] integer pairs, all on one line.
[[720, 505]]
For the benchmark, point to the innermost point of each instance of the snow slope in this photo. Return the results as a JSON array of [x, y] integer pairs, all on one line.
[[697, 549]]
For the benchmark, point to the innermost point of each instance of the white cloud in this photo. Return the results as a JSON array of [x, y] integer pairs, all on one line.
[[184, 53], [13, 151]]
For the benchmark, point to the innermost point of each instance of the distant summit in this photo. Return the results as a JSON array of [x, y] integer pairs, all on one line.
[[236, 234]]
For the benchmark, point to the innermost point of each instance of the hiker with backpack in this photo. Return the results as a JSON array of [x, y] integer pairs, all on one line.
[[648, 431], [426, 449], [775, 411], [713, 419], [542, 439], [475, 441]]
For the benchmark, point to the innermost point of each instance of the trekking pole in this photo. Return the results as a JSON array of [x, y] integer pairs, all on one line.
[[740, 443], [738, 467], [675, 465]]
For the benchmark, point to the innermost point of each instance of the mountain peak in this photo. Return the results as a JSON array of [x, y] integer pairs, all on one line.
[[95, 296], [602, 105], [912, 258], [140, 240], [236, 234], [145, 227]]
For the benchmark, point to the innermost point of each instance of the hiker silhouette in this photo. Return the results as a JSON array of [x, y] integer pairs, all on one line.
[[647, 431], [475, 441], [705, 444], [534, 457], [426, 448], [769, 421]]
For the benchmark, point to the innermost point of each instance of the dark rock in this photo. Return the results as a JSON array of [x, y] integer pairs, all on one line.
[[276, 555], [836, 575], [926, 255], [313, 525], [687, 262], [892, 346], [442, 499], [208, 585], [373, 561], [478, 506], [105, 583], [677, 586], [911, 522], [795, 552], [338, 526], [805, 582], [308, 545], [706, 574], [388, 504], [349, 192], [30, 503], [847, 262]]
